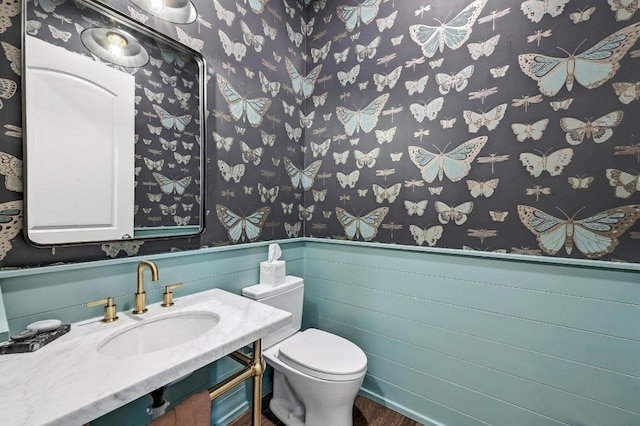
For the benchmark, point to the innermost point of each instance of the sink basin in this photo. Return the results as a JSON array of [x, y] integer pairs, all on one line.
[[156, 334]]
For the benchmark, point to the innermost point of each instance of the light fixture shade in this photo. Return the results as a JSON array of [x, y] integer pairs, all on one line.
[[176, 11], [99, 41]]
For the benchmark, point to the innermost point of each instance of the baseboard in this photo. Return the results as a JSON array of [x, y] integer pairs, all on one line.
[[399, 408]]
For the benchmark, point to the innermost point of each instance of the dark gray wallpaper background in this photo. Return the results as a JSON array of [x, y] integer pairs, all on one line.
[[484, 201], [276, 180]]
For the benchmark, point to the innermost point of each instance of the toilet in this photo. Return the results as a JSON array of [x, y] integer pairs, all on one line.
[[317, 374]]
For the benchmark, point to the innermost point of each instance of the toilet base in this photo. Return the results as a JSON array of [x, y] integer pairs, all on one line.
[[287, 417], [335, 408], [279, 409]]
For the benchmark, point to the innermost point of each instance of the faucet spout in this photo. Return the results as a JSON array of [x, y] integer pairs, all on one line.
[[140, 306]]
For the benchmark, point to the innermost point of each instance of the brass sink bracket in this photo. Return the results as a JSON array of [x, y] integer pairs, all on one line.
[[254, 368]]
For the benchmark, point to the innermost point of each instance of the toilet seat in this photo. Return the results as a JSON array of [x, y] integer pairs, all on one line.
[[323, 355]]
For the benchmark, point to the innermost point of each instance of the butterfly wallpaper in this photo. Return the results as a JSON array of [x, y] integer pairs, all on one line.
[[248, 129], [477, 125], [472, 124]]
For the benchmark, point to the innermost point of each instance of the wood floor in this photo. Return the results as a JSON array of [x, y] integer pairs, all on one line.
[[365, 413]]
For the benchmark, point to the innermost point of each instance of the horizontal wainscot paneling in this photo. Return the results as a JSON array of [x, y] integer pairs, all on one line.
[[452, 339], [463, 340], [62, 291]]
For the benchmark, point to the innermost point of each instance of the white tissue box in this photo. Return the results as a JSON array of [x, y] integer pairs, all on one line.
[[272, 273]]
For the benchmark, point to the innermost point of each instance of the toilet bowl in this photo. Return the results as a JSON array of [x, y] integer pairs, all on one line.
[[317, 374]]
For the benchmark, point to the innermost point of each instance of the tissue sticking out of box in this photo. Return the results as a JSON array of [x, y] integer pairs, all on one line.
[[273, 271], [274, 252]]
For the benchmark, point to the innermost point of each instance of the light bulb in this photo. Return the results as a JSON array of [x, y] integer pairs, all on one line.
[[156, 6], [117, 43], [115, 51]]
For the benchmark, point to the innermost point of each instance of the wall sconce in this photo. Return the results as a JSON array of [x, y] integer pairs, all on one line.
[[115, 46], [176, 11]]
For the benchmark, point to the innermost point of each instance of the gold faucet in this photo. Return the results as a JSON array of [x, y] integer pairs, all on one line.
[[140, 302]]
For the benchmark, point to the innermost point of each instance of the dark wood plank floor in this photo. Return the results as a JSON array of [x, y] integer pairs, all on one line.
[[365, 413]]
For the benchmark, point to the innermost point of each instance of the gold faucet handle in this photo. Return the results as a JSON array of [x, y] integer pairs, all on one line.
[[110, 313], [167, 297]]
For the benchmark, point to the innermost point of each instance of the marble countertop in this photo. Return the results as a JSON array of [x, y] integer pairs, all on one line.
[[69, 382]]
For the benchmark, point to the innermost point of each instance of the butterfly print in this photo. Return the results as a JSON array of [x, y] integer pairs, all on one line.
[[594, 236]]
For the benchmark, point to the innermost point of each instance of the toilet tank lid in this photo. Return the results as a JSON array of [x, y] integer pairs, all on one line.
[[324, 355], [260, 291]]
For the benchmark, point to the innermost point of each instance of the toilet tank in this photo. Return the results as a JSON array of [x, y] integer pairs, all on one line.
[[288, 297]]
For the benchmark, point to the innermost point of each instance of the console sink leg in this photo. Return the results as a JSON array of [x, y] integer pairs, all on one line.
[[257, 382]]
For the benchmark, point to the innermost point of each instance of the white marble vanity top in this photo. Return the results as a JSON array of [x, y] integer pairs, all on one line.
[[68, 382]]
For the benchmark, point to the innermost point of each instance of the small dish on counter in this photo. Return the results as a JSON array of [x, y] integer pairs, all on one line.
[[45, 325]]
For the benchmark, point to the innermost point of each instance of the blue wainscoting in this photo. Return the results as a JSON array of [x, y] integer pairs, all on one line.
[[452, 338], [466, 340]]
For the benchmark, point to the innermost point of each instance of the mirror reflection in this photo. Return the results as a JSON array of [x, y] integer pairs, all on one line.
[[168, 109], [176, 11]]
